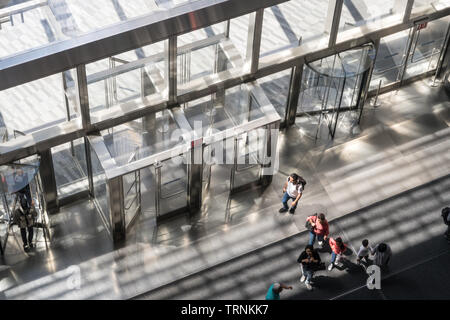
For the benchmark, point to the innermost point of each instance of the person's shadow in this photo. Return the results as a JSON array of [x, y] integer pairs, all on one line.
[[346, 263]]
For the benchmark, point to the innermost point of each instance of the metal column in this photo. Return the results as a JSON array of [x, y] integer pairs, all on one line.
[[195, 176], [293, 95], [171, 69], [116, 208], [332, 22], [271, 161], [47, 173], [254, 41]]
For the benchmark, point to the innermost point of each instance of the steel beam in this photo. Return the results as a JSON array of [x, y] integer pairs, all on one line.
[[254, 41], [332, 22], [47, 173]]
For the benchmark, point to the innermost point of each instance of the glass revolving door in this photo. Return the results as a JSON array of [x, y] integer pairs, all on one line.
[[331, 85]]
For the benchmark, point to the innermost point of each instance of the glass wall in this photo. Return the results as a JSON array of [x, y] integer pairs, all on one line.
[[276, 88], [377, 14], [427, 46], [285, 24], [100, 189], [129, 76], [69, 163], [34, 106], [421, 7], [390, 59]]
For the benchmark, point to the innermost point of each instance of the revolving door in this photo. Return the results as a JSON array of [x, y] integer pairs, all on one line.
[[332, 85]]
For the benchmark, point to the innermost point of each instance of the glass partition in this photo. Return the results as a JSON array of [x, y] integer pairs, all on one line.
[[69, 163], [130, 76], [390, 59], [427, 46], [377, 14], [286, 23], [34, 106], [422, 7], [100, 190]]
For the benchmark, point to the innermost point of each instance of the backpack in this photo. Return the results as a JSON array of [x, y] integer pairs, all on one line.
[[300, 181], [445, 213]]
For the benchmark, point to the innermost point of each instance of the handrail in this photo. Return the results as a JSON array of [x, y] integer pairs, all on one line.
[[18, 133], [22, 7]]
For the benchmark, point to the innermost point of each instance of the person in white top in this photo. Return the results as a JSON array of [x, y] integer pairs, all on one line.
[[364, 252], [292, 189]]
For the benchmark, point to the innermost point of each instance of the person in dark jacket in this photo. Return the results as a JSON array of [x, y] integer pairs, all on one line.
[[309, 260], [23, 217]]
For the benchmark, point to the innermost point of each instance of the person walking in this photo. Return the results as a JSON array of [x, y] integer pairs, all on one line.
[[338, 247], [292, 189], [382, 254], [320, 229], [275, 289], [24, 217], [309, 260]]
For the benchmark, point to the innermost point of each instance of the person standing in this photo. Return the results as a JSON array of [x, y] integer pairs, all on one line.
[[309, 260], [320, 229], [338, 247], [275, 289], [292, 189], [23, 217], [382, 254], [364, 252]]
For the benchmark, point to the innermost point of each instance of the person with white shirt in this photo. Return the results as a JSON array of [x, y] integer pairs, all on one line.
[[364, 252], [292, 189]]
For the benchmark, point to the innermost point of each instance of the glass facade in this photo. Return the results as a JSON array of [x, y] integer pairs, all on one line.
[[201, 79]]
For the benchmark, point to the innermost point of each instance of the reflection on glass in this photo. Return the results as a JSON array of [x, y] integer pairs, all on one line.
[[427, 47], [390, 59], [422, 7], [377, 14], [276, 88], [100, 191], [286, 23], [32, 106], [129, 76], [69, 163]]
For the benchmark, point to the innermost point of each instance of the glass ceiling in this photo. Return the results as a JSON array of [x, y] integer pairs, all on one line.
[[28, 24]]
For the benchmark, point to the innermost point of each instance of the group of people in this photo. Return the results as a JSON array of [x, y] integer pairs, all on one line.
[[310, 260]]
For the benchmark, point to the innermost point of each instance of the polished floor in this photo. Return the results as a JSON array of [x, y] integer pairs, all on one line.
[[401, 145]]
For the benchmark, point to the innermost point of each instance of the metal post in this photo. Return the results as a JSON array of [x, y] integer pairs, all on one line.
[[293, 95], [171, 69], [82, 95], [375, 103], [158, 166], [90, 174], [116, 208], [195, 176], [227, 28], [332, 22], [441, 57], [254, 41], [47, 173], [408, 10], [407, 54]]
